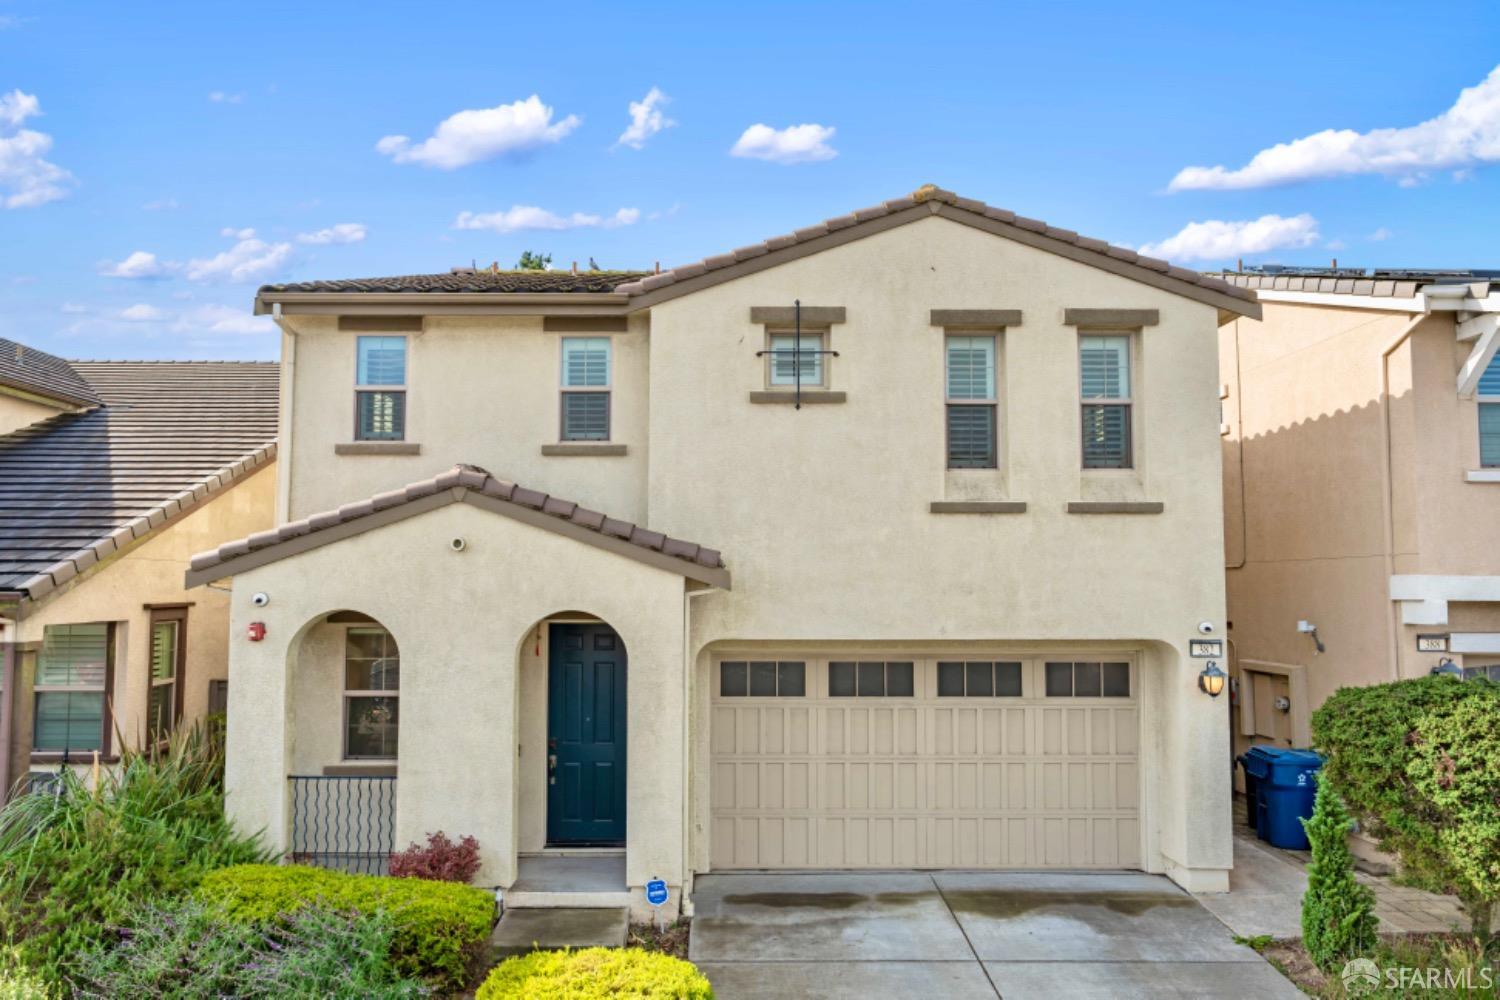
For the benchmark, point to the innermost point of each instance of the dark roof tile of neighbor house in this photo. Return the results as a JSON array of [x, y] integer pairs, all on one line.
[[77, 487], [471, 280], [41, 374]]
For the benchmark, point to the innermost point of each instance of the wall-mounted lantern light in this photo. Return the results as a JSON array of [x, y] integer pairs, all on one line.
[[1211, 681], [1447, 668]]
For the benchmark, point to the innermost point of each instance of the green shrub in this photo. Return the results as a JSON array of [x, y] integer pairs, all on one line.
[[616, 973], [1338, 913], [187, 951], [78, 863], [17, 982], [437, 927], [1417, 762]]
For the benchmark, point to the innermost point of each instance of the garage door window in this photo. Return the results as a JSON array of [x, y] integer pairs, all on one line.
[[979, 680], [1088, 680], [871, 680], [762, 679]]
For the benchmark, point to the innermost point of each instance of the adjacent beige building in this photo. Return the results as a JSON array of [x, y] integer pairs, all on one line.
[[881, 544], [104, 497], [1361, 434]]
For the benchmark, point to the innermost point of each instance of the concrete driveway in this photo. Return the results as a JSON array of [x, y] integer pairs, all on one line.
[[961, 935]]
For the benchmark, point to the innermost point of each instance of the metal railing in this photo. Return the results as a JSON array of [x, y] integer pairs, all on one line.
[[346, 823]]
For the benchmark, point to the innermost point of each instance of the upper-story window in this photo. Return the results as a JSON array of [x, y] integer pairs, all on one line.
[[971, 402], [1489, 415], [380, 389], [585, 388], [792, 360], [1104, 380]]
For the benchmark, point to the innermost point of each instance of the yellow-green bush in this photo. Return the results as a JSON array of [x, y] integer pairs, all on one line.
[[438, 925], [614, 973]]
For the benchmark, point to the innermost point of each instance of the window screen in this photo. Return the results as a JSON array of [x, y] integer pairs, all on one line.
[[585, 416], [1104, 379]]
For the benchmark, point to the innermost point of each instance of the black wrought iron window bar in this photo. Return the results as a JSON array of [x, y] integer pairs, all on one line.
[[797, 353]]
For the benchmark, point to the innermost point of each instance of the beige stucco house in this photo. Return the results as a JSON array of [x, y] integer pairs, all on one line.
[[1361, 426], [615, 562], [112, 474]]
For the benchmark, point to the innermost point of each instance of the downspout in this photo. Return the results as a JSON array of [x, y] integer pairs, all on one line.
[[1387, 476], [689, 805], [284, 419], [9, 629]]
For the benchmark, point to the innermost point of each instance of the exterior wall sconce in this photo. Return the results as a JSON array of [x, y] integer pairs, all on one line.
[[1212, 680], [1447, 668]]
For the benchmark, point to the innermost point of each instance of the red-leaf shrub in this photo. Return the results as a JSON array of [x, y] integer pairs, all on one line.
[[441, 859]]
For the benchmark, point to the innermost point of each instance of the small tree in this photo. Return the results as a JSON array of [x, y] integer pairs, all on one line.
[[1417, 762], [1338, 913], [532, 261]]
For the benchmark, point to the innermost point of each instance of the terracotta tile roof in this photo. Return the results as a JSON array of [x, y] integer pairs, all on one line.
[[467, 280], [78, 487], [461, 478], [43, 374], [929, 193]]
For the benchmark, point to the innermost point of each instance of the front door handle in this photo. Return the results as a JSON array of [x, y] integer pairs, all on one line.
[[552, 769]]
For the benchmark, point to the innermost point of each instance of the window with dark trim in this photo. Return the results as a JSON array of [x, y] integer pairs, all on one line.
[[762, 679], [167, 660], [1488, 395], [1087, 679], [372, 688], [1104, 381], [585, 388], [71, 689], [380, 389], [970, 394], [981, 679], [871, 679]]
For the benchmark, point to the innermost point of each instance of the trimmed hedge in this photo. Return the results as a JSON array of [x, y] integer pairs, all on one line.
[[595, 974], [439, 926]]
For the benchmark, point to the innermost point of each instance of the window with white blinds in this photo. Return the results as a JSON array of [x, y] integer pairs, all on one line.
[[161, 708], [1489, 415], [971, 405], [72, 671], [585, 388], [380, 389], [1104, 380], [795, 360]]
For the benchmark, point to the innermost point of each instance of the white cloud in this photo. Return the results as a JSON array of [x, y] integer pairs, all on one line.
[[1465, 135], [73, 308], [224, 97], [520, 218], [27, 178], [793, 144], [224, 320], [140, 264], [1380, 235], [162, 205], [248, 259], [646, 119], [343, 232], [142, 313], [1218, 240], [470, 136]]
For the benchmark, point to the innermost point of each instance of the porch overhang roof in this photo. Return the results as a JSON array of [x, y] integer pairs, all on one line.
[[472, 485]]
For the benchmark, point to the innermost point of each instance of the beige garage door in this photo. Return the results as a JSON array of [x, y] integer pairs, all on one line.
[[1004, 763]]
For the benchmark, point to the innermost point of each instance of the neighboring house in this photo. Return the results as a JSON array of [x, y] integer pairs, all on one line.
[[1361, 486], [915, 591], [101, 505], [35, 385]]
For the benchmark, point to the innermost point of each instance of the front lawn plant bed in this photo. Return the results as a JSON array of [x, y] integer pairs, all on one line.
[[437, 927], [1452, 964], [595, 974]]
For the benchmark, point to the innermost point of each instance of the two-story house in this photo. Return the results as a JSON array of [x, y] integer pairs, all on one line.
[[880, 544], [1361, 486]]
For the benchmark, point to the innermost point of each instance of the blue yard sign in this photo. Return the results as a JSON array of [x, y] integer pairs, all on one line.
[[656, 892]]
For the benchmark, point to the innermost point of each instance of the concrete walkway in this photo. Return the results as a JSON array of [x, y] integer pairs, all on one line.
[[1267, 884], [967, 935]]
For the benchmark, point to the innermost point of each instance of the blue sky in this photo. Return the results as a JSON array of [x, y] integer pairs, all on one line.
[[158, 166]]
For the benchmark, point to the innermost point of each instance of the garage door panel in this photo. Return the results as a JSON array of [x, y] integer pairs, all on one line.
[[925, 780]]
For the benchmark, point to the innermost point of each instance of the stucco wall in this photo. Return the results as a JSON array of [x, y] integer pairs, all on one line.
[[462, 621], [152, 573], [16, 413], [481, 390]]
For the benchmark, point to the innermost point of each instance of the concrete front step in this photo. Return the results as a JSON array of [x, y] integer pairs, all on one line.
[[527, 930], [522, 899]]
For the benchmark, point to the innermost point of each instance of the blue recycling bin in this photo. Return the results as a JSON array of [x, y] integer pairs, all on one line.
[[1286, 782]]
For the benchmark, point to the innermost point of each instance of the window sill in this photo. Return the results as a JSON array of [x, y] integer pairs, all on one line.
[[595, 449], [810, 397], [1482, 476], [977, 507], [377, 448], [1116, 507], [77, 758], [359, 770]]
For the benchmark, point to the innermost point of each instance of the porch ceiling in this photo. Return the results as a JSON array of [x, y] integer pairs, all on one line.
[[463, 484]]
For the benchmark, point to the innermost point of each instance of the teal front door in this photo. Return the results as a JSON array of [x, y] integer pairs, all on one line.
[[585, 736]]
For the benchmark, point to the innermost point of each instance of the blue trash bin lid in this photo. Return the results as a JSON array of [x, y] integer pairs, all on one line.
[[1258, 759], [1293, 767]]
